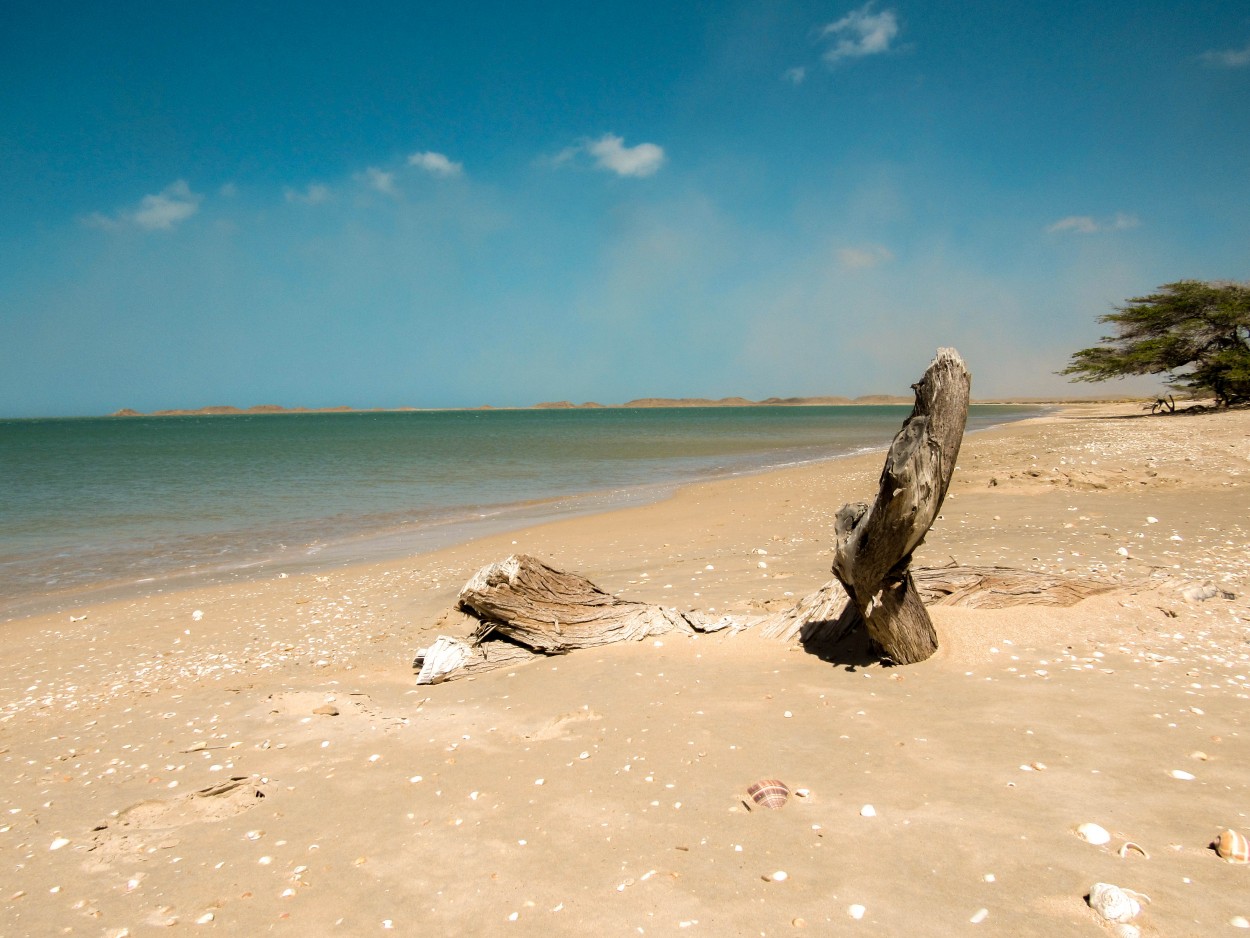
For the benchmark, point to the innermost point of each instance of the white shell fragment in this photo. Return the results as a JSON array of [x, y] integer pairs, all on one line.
[[1182, 775], [1093, 834], [856, 911], [979, 916], [1197, 594], [1112, 903], [867, 811], [440, 659]]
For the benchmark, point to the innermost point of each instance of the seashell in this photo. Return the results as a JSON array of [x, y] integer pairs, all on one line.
[[1093, 833], [1125, 930], [1232, 846], [1112, 903], [440, 659], [769, 793], [1129, 847]]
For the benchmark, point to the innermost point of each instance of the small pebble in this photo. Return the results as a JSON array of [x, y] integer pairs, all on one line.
[[979, 916], [867, 811], [856, 911]]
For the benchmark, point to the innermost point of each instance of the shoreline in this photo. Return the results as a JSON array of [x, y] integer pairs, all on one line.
[[257, 757], [371, 546]]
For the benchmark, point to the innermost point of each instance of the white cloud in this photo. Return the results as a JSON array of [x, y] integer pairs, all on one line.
[[381, 180], [160, 212], [315, 194], [795, 75], [1086, 224], [861, 32], [436, 164], [611, 153], [176, 203], [1228, 58], [864, 256]]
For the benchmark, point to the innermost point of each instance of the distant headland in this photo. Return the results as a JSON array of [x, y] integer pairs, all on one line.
[[824, 401], [228, 410]]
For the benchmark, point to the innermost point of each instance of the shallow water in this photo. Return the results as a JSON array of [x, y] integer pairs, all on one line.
[[92, 501]]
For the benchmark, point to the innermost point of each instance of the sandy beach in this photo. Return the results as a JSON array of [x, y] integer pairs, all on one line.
[[257, 758]]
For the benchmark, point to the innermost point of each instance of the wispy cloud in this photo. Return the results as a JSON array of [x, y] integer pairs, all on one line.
[[861, 257], [315, 194], [610, 153], [1087, 224], [1227, 58], [795, 75], [860, 33], [379, 179], [160, 212], [437, 164]]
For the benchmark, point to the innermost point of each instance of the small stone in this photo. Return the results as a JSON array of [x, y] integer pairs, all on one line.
[[205, 918], [327, 710], [856, 911], [867, 811], [979, 916]]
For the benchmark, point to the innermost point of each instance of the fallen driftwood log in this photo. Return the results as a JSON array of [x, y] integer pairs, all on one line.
[[520, 608]]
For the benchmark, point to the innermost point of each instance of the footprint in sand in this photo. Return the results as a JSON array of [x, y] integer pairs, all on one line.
[[148, 826]]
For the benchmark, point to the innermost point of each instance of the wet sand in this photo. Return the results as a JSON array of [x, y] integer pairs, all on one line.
[[257, 758]]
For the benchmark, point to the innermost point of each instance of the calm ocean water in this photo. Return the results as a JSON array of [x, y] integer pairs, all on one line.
[[89, 502]]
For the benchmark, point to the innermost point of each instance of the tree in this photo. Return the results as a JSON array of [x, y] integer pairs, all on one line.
[[1197, 333]]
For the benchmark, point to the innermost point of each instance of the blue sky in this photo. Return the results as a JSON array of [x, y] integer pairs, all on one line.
[[451, 204]]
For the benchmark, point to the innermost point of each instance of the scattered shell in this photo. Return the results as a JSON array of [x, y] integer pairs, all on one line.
[[1093, 833], [58, 843], [440, 659], [780, 876], [1232, 846], [1130, 847], [1125, 930], [856, 911], [867, 811], [979, 916], [205, 918], [1239, 921], [1182, 775], [1113, 903], [769, 793]]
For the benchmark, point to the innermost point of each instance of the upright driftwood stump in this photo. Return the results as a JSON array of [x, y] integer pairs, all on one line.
[[875, 542]]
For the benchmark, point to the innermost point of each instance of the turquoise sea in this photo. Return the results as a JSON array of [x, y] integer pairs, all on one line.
[[97, 502]]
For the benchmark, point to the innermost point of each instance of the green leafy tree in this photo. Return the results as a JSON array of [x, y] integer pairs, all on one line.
[[1197, 333]]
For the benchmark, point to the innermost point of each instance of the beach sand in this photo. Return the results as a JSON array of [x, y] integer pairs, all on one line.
[[256, 758]]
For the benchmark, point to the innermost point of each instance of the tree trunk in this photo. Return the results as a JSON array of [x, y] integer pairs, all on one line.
[[875, 543]]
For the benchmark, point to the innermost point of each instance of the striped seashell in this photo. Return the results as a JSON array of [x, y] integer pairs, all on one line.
[[769, 793], [1233, 847]]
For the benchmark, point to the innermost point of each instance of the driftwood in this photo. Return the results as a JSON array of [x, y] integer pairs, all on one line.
[[875, 543], [552, 612], [513, 608]]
